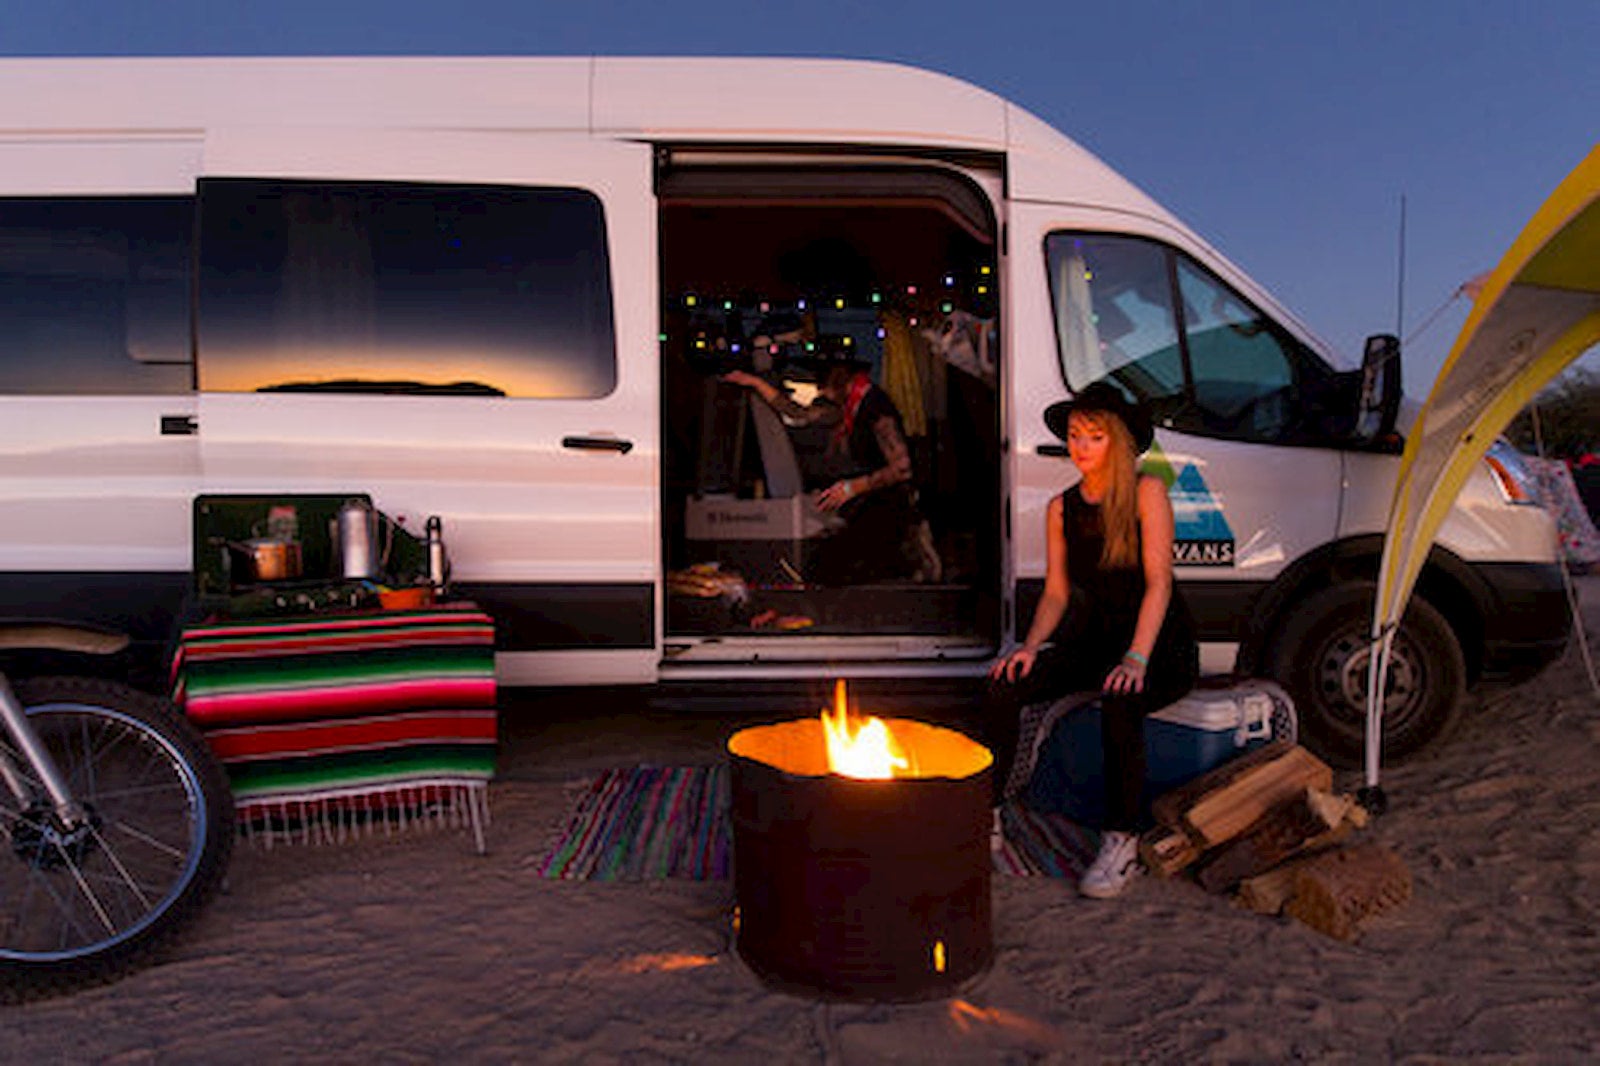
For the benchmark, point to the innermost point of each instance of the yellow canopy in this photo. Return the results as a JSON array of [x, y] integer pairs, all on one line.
[[1536, 313]]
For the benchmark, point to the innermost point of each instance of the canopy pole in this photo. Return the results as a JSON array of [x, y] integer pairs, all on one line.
[[1371, 796]]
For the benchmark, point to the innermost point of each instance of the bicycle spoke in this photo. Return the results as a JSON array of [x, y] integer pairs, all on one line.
[[132, 791], [122, 871], [88, 763], [121, 879], [63, 907], [168, 849], [88, 893]]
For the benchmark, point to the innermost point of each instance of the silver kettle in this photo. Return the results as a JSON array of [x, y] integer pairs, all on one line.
[[358, 528]]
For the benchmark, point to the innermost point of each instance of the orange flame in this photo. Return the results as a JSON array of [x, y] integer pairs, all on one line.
[[867, 750]]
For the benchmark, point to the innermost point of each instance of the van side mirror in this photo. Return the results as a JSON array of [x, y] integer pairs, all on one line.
[[1378, 405]]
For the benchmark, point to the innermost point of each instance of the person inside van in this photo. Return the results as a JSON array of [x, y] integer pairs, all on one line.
[[884, 537], [1115, 621]]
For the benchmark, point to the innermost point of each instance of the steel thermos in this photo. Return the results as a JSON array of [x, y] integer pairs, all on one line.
[[436, 563], [357, 536]]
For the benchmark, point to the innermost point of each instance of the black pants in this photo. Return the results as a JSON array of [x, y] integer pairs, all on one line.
[[1080, 667], [872, 545]]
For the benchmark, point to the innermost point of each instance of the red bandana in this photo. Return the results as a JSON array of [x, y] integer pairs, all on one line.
[[858, 391]]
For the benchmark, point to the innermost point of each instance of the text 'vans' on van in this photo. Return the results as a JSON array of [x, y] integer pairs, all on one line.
[[510, 293]]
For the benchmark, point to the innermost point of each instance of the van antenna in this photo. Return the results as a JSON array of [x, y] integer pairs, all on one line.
[[1400, 284]]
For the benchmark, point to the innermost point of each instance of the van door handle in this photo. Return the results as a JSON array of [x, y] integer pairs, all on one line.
[[179, 425], [598, 444], [1054, 451]]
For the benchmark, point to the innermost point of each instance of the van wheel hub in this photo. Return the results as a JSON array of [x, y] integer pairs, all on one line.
[[1343, 670]]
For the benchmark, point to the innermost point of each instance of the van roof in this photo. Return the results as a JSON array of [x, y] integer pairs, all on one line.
[[806, 99], [673, 100], [695, 99]]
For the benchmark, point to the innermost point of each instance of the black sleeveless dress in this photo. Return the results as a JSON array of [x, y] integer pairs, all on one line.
[[1104, 609]]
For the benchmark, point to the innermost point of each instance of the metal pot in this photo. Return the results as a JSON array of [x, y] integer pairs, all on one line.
[[268, 558]]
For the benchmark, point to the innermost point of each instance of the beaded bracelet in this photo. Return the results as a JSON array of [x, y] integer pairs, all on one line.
[[1134, 657]]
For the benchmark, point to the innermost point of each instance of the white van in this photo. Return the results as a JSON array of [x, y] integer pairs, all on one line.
[[502, 292]]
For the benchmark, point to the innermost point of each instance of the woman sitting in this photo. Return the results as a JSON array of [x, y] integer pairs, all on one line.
[[1117, 623]]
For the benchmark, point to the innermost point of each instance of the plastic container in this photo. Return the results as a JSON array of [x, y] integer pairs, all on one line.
[[407, 598], [1182, 741]]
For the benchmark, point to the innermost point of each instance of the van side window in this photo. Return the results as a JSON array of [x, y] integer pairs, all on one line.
[[1171, 333], [403, 288], [94, 295]]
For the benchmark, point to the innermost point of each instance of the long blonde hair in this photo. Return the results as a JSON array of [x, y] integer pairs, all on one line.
[[1119, 507]]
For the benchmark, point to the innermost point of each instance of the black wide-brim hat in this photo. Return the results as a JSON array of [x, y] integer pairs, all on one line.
[[1104, 397]]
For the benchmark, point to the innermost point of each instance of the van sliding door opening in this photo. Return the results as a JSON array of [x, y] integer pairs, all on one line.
[[829, 411]]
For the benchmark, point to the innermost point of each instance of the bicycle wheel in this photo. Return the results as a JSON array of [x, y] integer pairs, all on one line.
[[84, 906]]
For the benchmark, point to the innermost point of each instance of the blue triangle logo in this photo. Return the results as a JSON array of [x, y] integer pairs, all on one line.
[[1194, 510]]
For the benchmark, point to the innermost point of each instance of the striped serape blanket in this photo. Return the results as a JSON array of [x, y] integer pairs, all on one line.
[[644, 823], [335, 724]]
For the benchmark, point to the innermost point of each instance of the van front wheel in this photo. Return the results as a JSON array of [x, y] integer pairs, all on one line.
[[1321, 657]]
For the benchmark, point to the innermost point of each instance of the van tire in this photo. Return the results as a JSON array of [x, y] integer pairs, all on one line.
[[1321, 658]]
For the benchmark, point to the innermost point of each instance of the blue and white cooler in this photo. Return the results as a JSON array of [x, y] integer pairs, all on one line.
[[1198, 733]]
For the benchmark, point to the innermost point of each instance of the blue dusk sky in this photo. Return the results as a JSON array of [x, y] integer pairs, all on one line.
[[1285, 133]]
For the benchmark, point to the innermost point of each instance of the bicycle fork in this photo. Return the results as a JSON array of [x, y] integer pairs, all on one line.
[[68, 811]]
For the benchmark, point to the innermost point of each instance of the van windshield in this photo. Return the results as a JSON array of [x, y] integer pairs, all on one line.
[[1113, 313]]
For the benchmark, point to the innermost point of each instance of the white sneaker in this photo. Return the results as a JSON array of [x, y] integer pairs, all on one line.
[[1114, 868]]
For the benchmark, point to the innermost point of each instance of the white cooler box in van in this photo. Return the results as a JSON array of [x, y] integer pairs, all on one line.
[[764, 541], [1182, 741]]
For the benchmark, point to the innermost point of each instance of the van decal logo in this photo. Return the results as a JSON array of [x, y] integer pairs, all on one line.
[[1201, 534]]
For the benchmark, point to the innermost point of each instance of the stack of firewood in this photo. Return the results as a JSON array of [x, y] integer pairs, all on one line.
[[1269, 828]]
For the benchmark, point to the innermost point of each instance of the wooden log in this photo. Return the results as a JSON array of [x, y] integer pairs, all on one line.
[[1223, 814], [1166, 852], [1356, 817], [1169, 807], [1316, 845], [1335, 810], [1267, 893], [1335, 891], [1285, 830]]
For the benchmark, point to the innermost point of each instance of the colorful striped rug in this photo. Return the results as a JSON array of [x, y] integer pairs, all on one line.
[[646, 823]]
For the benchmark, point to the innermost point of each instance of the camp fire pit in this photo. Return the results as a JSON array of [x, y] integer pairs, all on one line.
[[864, 874]]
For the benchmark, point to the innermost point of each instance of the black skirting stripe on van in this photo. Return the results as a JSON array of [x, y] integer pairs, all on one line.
[[557, 616], [145, 605], [148, 607], [1221, 609], [1527, 623]]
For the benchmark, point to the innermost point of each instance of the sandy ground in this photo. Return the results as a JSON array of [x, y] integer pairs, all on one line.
[[416, 950]]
